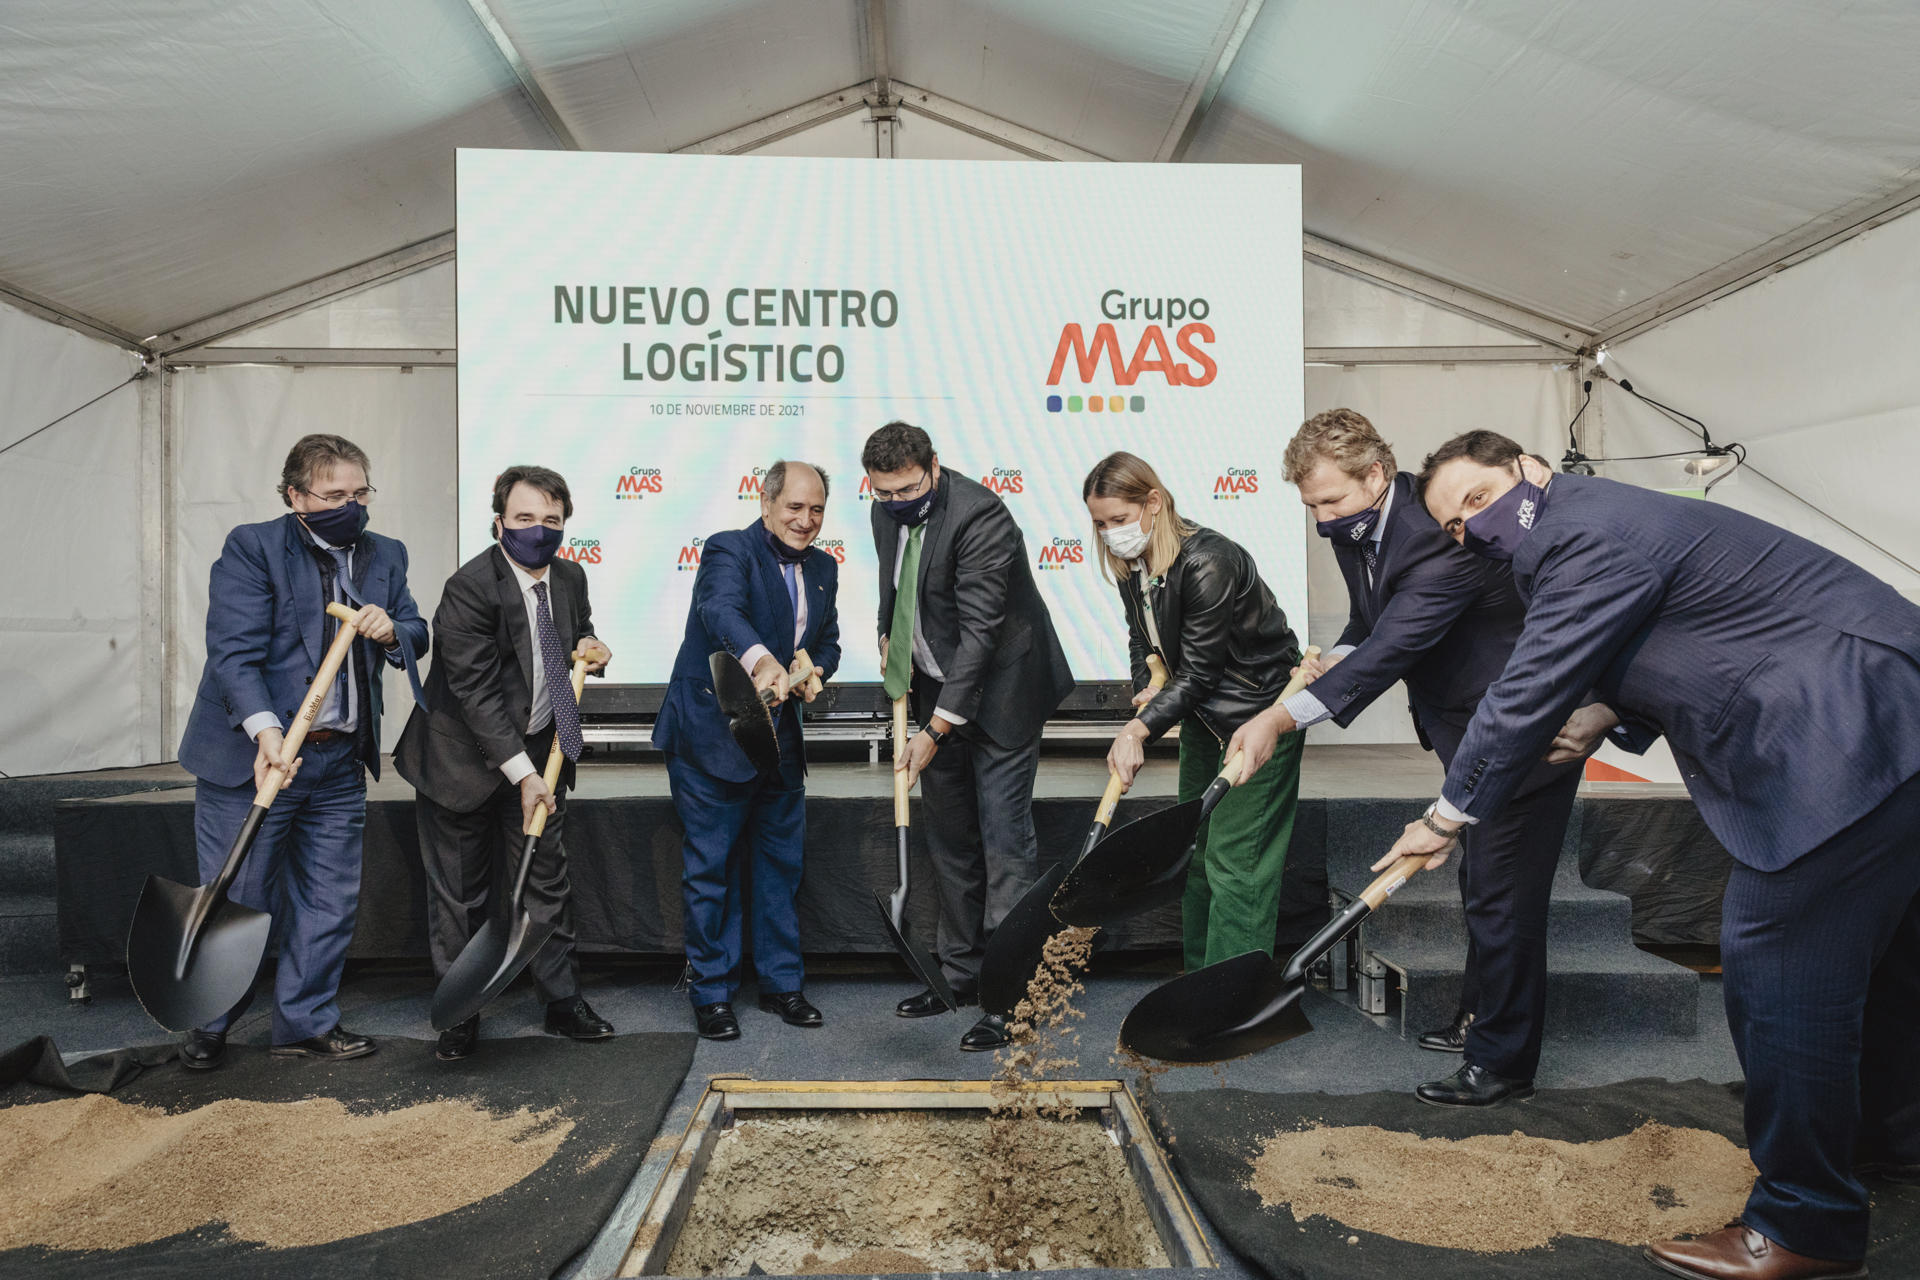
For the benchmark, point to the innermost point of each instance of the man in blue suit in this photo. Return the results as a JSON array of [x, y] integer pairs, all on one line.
[[1785, 679], [267, 630], [762, 593]]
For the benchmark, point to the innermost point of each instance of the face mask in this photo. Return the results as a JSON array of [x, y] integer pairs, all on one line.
[[781, 549], [339, 526], [911, 511], [532, 547], [1354, 529], [1127, 542], [1496, 530]]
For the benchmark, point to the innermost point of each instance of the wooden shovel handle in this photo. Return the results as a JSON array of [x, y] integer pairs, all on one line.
[[316, 694], [899, 751], [1231, 770], [1110, 798], [808, 674], [556, 758], [1392, 878]]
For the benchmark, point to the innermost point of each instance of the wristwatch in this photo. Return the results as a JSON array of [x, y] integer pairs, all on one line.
[[1426, 820], [939, 738]]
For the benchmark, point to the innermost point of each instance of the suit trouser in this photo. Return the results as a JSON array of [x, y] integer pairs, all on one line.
[[304, 868], [728, 826], [1507, 865], [978, 799], [1822, 977], [464, 851], [1231, 903]]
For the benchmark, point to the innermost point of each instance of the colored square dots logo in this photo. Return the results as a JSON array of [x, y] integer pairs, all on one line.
[[1097, 404]]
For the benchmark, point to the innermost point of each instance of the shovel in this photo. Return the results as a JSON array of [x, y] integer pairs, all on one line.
[[495, 956], [749, 712], [192, 953], [1248, 1003], [894, 909], [1143, 865], [1019, 943]]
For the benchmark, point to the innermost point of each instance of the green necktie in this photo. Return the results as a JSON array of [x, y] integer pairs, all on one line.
[[900, 636]]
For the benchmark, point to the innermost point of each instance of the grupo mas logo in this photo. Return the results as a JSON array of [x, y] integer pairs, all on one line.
[[690, 555], [637, 482], [1062, 552], [581, 550], [833, 547], [1005, 480], [1151, 351], [866, 490], [1236, 482], [750, 485]]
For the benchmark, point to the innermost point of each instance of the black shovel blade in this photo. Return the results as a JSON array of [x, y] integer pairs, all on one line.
[[491, 959], [1226, 1010], [1018, 946], [221, 961], [749, 720], [1140, 866], [918, 958]]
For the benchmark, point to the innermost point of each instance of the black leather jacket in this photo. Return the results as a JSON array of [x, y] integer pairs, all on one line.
[[1223, 637]]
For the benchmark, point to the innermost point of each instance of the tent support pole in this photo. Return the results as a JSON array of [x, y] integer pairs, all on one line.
[[1206, 86], [158, 654]]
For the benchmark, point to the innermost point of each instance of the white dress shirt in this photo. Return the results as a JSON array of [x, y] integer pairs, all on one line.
[[540, 715], [751, 658], [1303, 706], [330, 716], [922, 656]]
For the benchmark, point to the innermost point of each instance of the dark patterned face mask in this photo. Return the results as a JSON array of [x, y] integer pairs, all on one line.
[[1496, 530]]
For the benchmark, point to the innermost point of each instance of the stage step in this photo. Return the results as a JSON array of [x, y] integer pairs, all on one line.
[[29, 933]]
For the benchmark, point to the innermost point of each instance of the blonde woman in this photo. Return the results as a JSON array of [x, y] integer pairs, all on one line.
[[1196, 598]]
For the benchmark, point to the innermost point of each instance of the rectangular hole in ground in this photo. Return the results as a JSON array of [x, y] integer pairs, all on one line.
[[840, 1192]]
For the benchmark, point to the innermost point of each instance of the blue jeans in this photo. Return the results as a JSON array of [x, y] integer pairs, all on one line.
[[304, 869]]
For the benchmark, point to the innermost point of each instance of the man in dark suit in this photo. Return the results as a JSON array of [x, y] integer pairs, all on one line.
[[267, 631], [963, 629], [500, 693], [1425, 611], [762, 593], [1785, 679]]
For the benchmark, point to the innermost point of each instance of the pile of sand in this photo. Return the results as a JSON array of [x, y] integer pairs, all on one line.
[[1495, 1194], [94, 1173]]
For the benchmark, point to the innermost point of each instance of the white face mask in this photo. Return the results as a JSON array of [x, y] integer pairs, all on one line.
[[1127, 542]]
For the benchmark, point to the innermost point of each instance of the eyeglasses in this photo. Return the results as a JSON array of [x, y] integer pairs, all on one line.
[[339, 496], [900, 495]]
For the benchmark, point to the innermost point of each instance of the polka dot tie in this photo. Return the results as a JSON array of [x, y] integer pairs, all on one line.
[[566, 712]]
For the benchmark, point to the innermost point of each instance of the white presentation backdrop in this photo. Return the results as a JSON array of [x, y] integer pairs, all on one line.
[[661, 328]]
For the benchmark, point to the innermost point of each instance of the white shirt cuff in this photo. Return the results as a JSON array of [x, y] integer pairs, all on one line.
[[1444, 808], [1306, 709], [1341, 650], [259, 720], [949, 717], [518, 768], [751, 658]]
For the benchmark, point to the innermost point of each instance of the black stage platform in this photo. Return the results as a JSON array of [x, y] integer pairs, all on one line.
[[623, 839]]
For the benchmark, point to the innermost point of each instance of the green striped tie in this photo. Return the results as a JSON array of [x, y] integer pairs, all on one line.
[[900, 636]]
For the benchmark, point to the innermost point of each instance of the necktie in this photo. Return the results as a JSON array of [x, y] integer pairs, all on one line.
[[1372, 558], [333, 568], [793, 591], [566, 712], [900, 634]]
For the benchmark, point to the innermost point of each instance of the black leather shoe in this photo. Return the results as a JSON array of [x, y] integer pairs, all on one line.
[[716, 1021], [1473, 1086], [1451, 1038], [926, 1004], [336, 1045], [458, 1040], [204, 1050], [576, 1020], [1891, 1170], [988, 1033], [792, 1007]]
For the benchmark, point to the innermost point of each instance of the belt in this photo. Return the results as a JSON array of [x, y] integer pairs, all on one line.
[[328, 735]]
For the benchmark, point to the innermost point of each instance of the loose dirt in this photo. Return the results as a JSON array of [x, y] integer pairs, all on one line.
[[94, 1173], [1494, 1194]]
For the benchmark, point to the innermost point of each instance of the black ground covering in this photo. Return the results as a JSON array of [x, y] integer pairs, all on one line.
[[1213, 1135], [615, 1091]]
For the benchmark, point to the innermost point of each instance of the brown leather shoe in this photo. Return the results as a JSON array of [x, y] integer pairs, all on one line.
[[1738, 1252]]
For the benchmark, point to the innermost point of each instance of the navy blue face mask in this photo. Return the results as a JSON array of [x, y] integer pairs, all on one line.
[[1495, 530], [532, 547], [912, 511], [1356, 528], [337, 526]]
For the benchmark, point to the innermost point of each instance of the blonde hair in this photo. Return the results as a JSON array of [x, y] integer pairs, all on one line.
[[1343, 438], [1131, 479]]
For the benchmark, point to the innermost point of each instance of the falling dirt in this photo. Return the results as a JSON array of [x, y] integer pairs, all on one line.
[[1498, 1194], [94, 1173]]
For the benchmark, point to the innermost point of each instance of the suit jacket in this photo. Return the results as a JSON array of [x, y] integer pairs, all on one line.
[[1435, 615], [480, 690], [740, 600], [266, 621], [1784, 676], [980, 612]]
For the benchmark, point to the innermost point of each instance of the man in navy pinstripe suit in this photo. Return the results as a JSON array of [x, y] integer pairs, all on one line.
[[1787, 680]]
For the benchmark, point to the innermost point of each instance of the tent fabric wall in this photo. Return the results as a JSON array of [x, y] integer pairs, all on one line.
[[70, 626]]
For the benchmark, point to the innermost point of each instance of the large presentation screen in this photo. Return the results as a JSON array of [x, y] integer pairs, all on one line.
[[660, 329]]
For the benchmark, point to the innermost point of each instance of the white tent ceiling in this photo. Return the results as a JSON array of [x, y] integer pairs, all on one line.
[[165, 161]]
